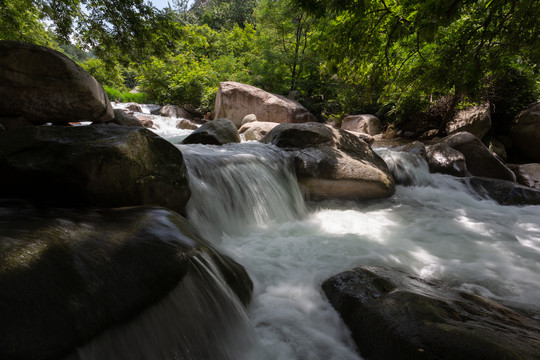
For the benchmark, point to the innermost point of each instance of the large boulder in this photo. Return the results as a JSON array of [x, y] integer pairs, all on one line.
[[528, 175], [235, 100], [174, 111], [215, 132], [393, 315], [101, 165], [475, 120], [41, 85], [365, 123], [480, 161], [256, 130], [333, 163], [68, 275], [526, 133], [441, 158]]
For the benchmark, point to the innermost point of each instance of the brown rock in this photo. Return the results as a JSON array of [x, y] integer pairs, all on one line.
[[528, 175], [186, 125], [367, 124], [256, 130], [125, 119], [42, 85], [475, 120], [235, 100], [215, 132]]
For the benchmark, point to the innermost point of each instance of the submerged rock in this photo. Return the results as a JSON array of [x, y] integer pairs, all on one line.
[[68, 275], [333, 163], [236, 100], [215, 132], [41, 85], [480, 161], [106, 166], [393, 315]]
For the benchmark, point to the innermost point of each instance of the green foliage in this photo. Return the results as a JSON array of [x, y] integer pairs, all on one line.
[[21, 20], [106, 74], [218, 14], [125, 96]]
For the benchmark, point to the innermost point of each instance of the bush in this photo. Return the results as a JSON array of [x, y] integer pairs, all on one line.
[[125, 96]]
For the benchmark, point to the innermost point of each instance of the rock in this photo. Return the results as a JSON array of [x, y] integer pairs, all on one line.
[[186, 125], [415, 147], [367, 124], [68, 275], [249, 118], [526, 133], [42, 85], [393, 315], [429, 134], [123, 118], [14, 122], [362, 136], [475, 120], [441, 158], [215, 132], [235, 100], [528, 175], [174, 111], [502, 191], [480, 161], [333, 163], [146, 121], [106, 166], [256, 130], [134, 107]]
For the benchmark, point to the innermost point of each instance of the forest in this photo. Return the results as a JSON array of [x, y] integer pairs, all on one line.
[[408, 61]]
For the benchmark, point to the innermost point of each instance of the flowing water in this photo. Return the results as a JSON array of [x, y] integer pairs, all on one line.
[[247, 202]]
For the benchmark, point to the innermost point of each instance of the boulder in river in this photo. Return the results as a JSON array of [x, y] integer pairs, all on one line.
[[236, 100], [502, 191], [333, 163], [476, 120], [215, 132], [101, 165], [393, 315], [256, 130], [480, 161], [441, 158], [41, 85], [125, 119], [68, 275], [528, 175]]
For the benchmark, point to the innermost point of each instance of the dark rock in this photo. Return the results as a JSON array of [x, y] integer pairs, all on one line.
[[441, 158], [526, 133], [107, 166], [393, 315], [415, 147], [502, 191], [68, 275], [480, 161], [215, 132], [42, 85], [528, 175], [333, 163]]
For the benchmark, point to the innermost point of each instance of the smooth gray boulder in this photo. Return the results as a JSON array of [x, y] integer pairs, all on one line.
[[215, 132], [67, 275], [41, 85], [333, 163], [101, 165], [393, 315]]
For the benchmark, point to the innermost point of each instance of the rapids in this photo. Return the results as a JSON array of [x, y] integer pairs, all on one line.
[[245, 200]]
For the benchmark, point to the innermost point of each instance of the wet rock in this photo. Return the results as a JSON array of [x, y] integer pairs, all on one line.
[[215, 132], [125, 119], [42, 86], [475, 120], [186, 125], [526, 133], [68, 275], [146, 121], [495, 146], [480, 161], [415, 147], [393, 315], [106, 166], [441, 158], [528, 175], [502, 191], [333, 163], [256, 130], [235, 100], [365, 123], [134, 107]]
